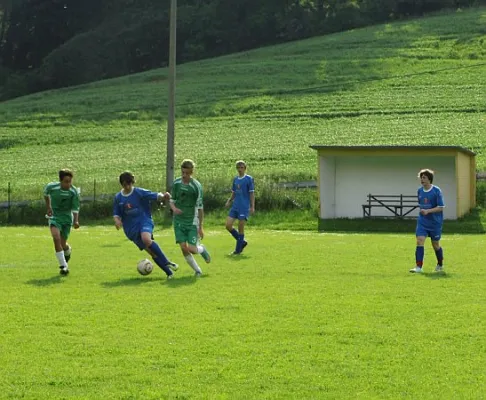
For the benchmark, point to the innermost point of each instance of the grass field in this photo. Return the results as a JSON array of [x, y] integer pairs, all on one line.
[[413, 82], [300, 315]]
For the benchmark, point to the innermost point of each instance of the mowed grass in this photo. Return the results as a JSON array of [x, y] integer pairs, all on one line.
[[300, 315], [413, 82]]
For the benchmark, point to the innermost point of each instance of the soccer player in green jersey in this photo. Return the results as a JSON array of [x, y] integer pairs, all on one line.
[[62, 203], [187, 206]]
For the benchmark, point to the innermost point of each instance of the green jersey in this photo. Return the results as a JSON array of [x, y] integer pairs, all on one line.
[[63, 202], [188, 198]]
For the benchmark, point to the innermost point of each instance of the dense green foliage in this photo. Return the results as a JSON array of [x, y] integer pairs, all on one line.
[[51, 44]]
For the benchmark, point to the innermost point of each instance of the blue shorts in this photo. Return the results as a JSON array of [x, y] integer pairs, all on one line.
[[136, 234], [236, 213], [435, 234]]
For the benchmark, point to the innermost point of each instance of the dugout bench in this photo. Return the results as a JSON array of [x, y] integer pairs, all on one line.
[[399, 204]]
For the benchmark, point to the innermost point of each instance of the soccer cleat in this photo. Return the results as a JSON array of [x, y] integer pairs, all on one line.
[[198, 274], [205, 254], [63, 270], [416, 270], [173, 266], [245, 243], [439, 268], [235, 253], [171, 276]]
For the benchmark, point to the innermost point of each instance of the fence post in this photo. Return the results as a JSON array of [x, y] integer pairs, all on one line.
[[8, 203], [94, 192]]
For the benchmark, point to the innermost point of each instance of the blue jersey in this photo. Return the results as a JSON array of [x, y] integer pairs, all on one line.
[[242, 187], [134, 210], [430, 199]]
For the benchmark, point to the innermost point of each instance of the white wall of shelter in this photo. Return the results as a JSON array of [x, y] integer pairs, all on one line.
[[345, 181]]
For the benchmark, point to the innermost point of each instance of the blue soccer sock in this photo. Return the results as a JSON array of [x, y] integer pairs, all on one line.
[[419, 256], [160, 258], [239, 243], [234, 233], [440, 256]]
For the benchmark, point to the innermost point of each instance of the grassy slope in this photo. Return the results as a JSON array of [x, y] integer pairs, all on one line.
[[371, 86], [300, 316]]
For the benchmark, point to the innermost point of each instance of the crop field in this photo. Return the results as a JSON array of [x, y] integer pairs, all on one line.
[[299, 315], [413, 82]]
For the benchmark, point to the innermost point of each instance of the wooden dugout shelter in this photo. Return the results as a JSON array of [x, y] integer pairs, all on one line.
[[382, 180]]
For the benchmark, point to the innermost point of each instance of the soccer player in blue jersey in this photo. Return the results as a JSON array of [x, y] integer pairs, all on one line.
[[243, 199], [131, 210], [429, 222]]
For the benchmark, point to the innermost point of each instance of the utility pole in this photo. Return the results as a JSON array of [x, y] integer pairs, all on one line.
[[172, 80]]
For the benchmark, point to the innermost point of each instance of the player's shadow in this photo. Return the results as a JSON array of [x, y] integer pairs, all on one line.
[[237, 258], [437, 275], [184, 281], [53, 280], [129, 282]]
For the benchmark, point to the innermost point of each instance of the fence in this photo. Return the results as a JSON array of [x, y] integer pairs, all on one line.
[[23, 207], [99, 205]]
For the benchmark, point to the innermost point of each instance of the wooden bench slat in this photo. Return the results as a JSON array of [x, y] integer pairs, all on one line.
[[398, 204]]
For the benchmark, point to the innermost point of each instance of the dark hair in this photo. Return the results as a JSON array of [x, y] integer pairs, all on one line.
[[65, 172], [127, 177], [428, 173]]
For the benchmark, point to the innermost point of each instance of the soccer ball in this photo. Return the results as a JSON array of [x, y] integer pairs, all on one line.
[[145, 267]]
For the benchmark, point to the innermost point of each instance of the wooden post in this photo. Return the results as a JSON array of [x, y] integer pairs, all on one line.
[[169, 174]]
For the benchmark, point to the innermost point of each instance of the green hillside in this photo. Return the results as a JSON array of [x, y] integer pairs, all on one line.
[[415, 82]]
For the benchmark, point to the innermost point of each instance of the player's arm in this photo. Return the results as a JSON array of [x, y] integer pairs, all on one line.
[[200, 216], [75, 210], [173, 207], [230, 200], [252, 195], [233, 194], [252, 202], [48, 206], [118, 222], [117, 212], [162, 197], [173, 199], [200, 211], [433, 210], [47, 199], [148, 195]]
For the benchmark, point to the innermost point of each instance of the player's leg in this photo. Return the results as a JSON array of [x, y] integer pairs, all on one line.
[[439, 253], [420, 235], [186, 252], [193, 245], [230, 220], [241, 243], [182, 235], [151, 247], [56, 237], [66, 248]]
